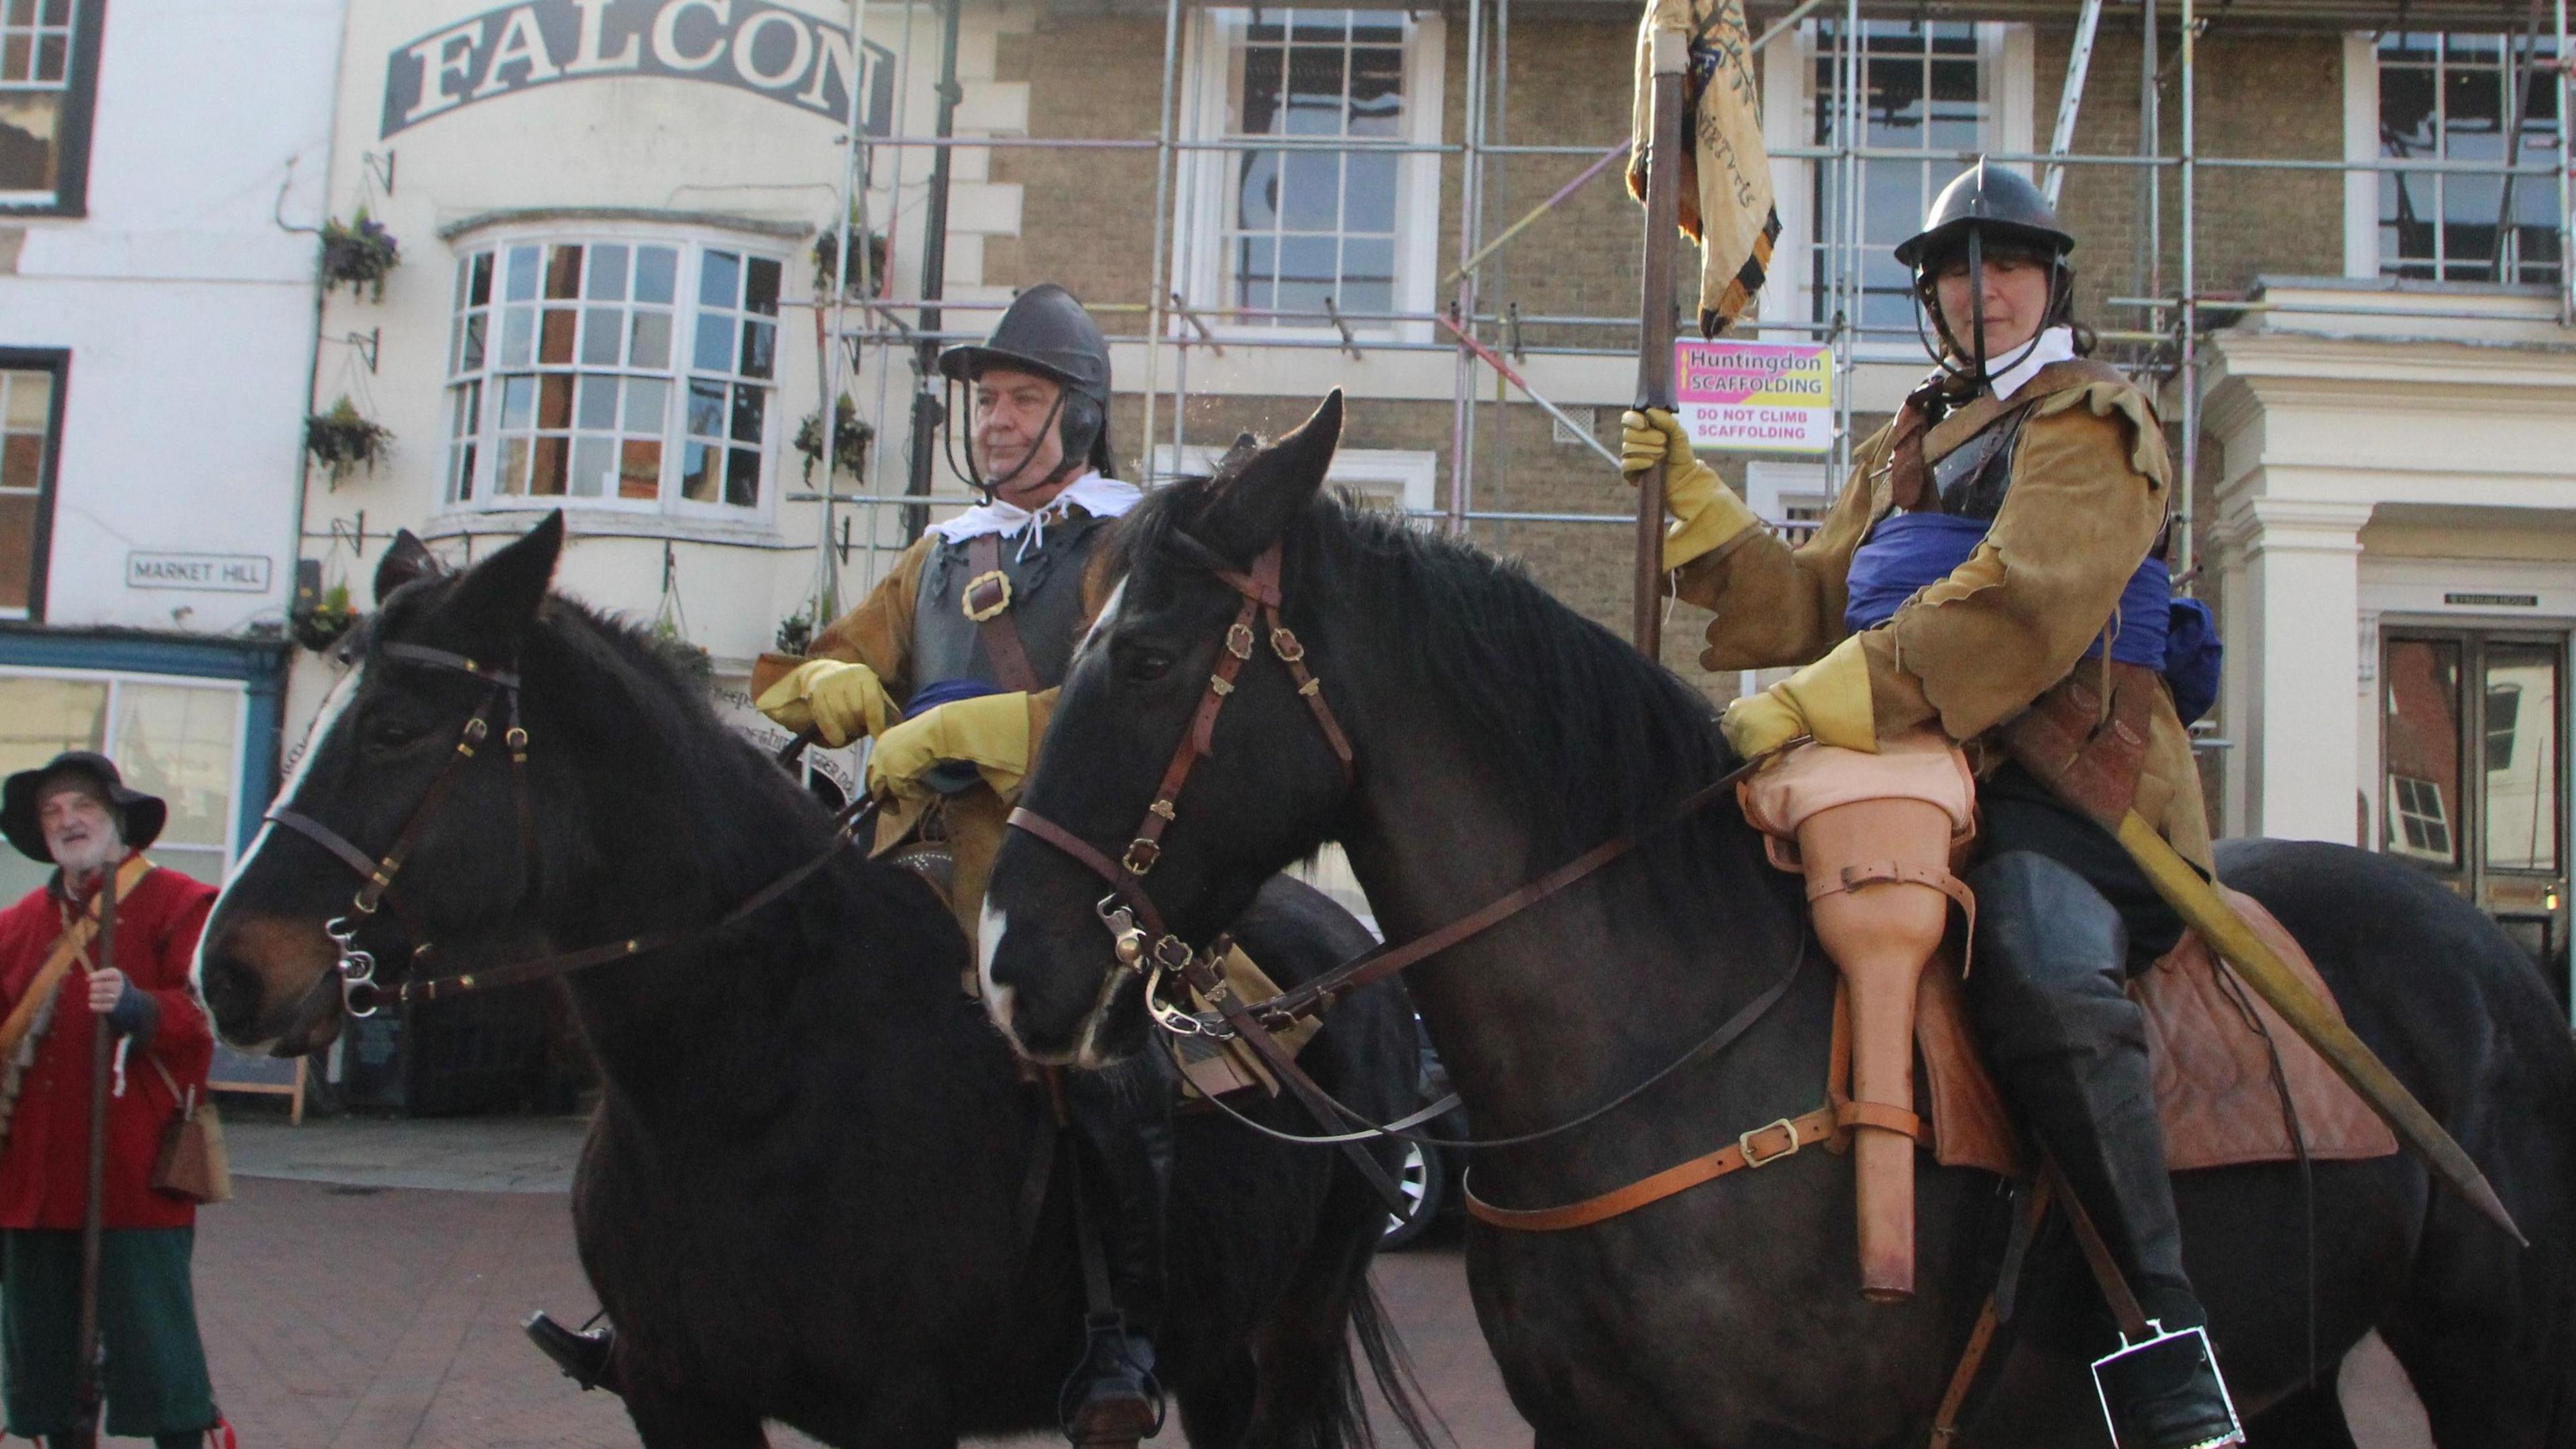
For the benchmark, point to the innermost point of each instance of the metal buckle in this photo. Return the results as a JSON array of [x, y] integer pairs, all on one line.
[[1753, 1158], [1238, 640], [1001, 595], [1140, 857], [1285, 645], [1126, 938]]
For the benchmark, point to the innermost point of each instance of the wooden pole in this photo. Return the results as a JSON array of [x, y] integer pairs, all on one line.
[[102, 1043], [1656, 278]]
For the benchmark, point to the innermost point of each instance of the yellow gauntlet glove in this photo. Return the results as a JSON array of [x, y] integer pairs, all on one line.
[[990, 732], [838, 701], [1828, 701], [1706, 513]]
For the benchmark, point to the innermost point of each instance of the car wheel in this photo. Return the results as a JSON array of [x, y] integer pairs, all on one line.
[[1425, 1181]]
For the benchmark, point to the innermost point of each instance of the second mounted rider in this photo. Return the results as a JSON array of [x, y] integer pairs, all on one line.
[[1996, 555]]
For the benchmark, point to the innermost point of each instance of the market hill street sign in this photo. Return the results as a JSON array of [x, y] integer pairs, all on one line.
[[223, 573], [750, 45]]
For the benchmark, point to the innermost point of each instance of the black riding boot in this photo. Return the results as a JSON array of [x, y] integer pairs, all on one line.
[[588, 1359], [2071, 1050], [1122, 1123]]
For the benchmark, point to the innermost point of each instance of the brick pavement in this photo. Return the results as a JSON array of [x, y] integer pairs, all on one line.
[[355, 1316]]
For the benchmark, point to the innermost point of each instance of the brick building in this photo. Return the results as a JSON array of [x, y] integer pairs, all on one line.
[[612, 302]]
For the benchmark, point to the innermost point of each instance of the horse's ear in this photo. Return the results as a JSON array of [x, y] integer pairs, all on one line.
[[407, 559], [498, 598], [1257, 501]]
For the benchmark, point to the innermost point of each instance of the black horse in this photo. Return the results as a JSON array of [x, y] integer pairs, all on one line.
[[801, 1198], [1497, 736]]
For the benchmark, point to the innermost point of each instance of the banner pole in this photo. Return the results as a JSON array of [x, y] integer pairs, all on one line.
[[1656, 281]]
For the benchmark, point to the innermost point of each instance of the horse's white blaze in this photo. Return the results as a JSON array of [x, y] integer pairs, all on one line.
[[334, 704], [989, 926], [1108, 611]]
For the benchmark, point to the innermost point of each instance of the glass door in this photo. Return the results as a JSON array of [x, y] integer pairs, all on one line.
[[2472, 768]]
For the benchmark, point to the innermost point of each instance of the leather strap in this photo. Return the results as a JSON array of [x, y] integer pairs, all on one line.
[[1760, 1147], [1898, 872], [844, 826], [2125, 1310], [67, 948], [1954, 1400], [997, 629]]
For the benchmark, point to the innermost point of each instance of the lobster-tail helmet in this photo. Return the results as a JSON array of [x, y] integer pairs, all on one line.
[[1046, 332], [1986, 211]]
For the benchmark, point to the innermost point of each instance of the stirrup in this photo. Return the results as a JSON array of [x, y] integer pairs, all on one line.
[[583, 1356], [2162, 1363], [1112, 1396]]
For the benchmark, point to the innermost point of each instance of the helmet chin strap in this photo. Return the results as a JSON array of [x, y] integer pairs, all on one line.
[[1946, 352]]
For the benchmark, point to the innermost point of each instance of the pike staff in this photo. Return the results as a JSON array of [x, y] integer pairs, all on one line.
[[86, 1395]]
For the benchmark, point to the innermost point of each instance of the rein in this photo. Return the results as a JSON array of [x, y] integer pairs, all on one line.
[[1129, 913], [361, 995]]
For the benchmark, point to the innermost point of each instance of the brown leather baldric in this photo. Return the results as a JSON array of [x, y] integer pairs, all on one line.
[[988, 603]]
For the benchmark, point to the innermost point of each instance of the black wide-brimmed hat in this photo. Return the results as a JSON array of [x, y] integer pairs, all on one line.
[[144, 814]]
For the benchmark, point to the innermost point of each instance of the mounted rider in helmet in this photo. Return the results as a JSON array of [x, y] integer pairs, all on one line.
[[1993, 538], [952, 663]]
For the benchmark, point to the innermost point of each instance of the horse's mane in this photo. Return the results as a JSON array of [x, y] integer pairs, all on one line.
[[1596, 739]]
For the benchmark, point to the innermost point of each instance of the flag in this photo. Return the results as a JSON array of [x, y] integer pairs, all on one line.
[[1726, 175]]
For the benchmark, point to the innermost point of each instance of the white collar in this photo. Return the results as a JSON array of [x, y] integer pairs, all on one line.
[[1100, 497], [2057, 344]]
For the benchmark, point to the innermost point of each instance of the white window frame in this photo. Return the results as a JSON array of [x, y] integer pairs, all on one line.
[[1788, 121], [2361, 145], [117, 679], [1412, 477], [691, 242], [1203, 191]]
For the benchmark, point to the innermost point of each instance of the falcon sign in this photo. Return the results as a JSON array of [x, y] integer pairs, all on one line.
[[747, 44]]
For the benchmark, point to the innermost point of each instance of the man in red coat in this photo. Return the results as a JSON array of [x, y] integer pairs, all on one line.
[[77, 814]]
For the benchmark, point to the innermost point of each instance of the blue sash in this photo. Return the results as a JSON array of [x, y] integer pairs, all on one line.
[[1906, 551]]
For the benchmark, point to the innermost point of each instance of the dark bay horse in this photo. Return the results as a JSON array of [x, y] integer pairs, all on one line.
[[802, 1197], [1497, 736]]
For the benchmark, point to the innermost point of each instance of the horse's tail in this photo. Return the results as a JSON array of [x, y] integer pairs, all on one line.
[[1342, 1421]]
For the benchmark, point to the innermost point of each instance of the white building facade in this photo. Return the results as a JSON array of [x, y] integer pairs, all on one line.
[[162, 168]]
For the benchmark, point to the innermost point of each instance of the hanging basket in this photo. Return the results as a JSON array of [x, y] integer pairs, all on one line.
[[322, 626], [867, 269], [342, 440], [851, 439], [358, 252]]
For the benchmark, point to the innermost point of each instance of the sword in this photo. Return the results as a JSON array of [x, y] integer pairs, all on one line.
[[2226, 932]]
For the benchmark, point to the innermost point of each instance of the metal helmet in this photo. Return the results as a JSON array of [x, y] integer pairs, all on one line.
[[1985, 210], [1999, 204], [1047, 332]]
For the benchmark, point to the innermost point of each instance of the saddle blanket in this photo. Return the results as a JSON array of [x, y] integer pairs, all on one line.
[[2213, 1068]]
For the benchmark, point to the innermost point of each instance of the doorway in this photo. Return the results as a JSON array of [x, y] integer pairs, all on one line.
[[2473, 779]]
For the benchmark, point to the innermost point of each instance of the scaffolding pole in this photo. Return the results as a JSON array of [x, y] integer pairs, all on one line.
[[2186, 548], [1462, 403], [2079, 60]]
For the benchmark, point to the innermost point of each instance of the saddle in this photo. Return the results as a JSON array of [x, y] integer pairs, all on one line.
[[2212, 1043], [2233, 1083]]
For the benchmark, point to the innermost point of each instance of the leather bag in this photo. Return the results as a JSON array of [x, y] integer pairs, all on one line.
[[192, 1163]]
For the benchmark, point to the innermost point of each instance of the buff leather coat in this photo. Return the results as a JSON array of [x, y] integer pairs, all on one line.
[[2091, 488]]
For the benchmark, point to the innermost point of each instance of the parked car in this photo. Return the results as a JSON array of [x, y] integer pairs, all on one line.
[[1431, 1176]]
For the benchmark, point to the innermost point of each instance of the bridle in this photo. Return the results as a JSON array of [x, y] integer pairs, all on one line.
[[361, 995], [1130, 916], [357, 968]]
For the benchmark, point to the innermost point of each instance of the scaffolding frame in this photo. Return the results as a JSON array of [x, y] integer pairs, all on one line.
[[2170, 336]]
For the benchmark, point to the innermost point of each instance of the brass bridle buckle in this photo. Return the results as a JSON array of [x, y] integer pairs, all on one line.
[[1141, 855], [1754, 1157], [1238, 640]]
